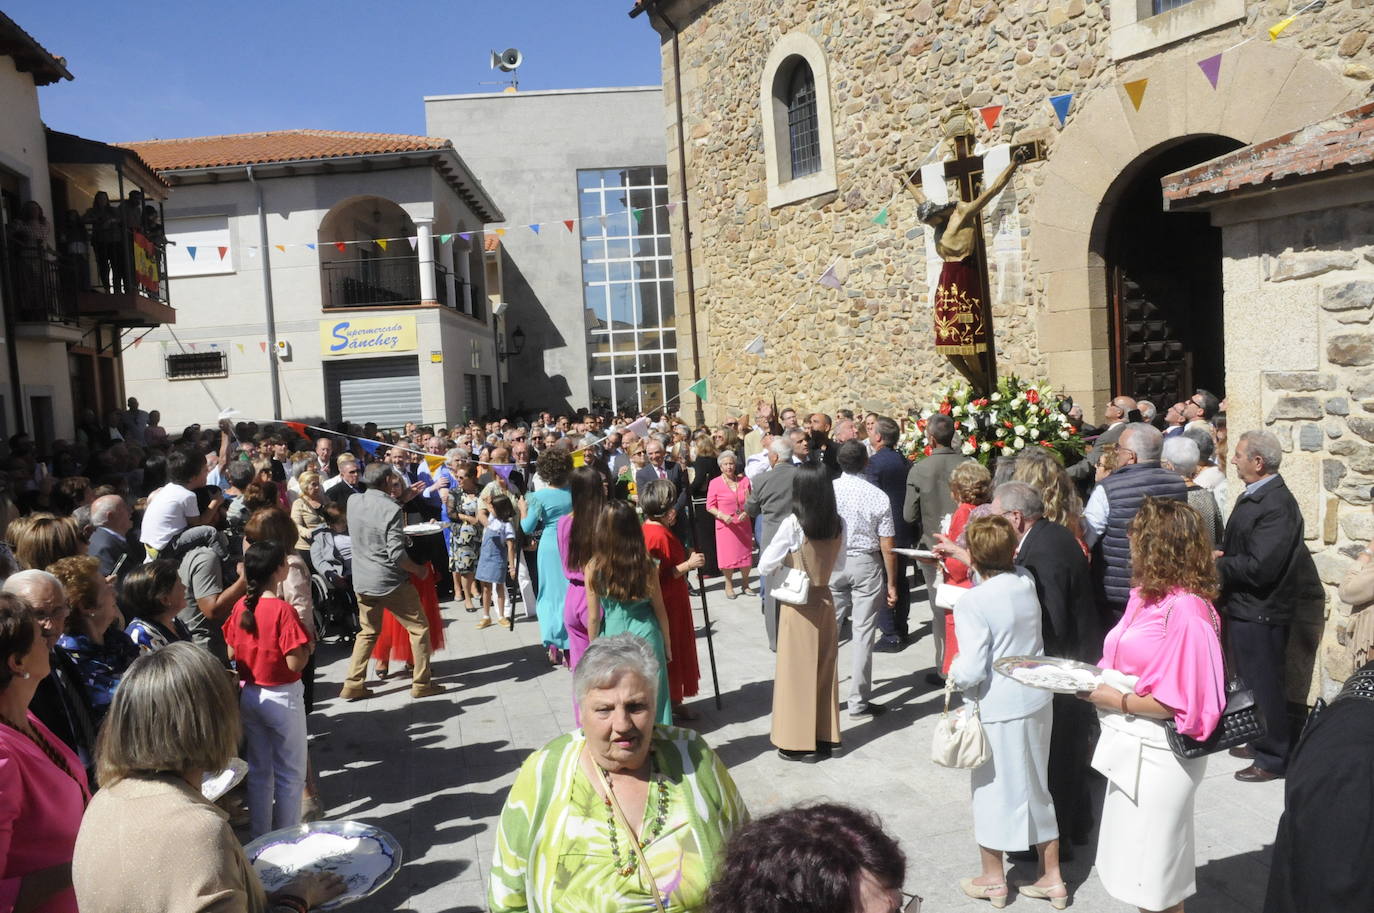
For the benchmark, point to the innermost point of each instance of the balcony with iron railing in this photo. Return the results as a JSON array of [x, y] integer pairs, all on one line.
[[381, 282], [39, 285]]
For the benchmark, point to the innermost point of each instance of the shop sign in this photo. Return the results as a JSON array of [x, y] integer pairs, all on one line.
[[367, 335]]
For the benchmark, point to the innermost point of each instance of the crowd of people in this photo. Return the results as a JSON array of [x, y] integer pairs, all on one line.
[[141, 567]]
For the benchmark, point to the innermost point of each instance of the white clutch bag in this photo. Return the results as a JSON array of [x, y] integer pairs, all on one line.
[[790, 585], [959, 740]]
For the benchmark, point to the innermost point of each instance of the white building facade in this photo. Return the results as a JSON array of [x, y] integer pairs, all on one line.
[[381, 295]]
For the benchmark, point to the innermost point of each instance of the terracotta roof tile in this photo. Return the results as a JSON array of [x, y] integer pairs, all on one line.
[[1336, 144], [275, 146]]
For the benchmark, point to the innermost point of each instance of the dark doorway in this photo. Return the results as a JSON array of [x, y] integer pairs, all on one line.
[[1164, 284]]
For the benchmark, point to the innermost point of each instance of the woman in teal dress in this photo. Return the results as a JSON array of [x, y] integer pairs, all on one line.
[[623, 595], [539, 513]]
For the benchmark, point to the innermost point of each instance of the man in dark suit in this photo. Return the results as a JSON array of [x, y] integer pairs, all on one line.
[[928, 501], [1071, 628], [659, 467], [109, 542], [1267, 579], [770, 498], [348, 482], [888, 470]]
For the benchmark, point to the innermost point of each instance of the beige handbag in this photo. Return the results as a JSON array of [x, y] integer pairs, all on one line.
[[959, 740]]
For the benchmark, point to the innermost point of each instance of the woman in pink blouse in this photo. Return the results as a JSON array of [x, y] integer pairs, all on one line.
[[1161, 662], [725, 498], [43, 789]]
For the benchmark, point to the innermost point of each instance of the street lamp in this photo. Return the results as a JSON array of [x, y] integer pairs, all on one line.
[[516, 345]]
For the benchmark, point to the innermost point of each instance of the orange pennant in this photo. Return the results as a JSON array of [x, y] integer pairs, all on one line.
[[222, 252], [1135, 90], [500, 232], [991, 114], [568, 223], [280, 247], [342, 246]]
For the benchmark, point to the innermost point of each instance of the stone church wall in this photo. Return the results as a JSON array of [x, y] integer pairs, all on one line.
[[896, 70]]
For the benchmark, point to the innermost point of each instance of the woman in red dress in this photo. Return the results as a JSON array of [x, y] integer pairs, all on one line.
[[674, 564], [971, 486], [393, 641]]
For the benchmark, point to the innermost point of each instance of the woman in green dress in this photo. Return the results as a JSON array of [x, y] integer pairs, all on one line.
[[623, 596], [566, 841], [539, 513]]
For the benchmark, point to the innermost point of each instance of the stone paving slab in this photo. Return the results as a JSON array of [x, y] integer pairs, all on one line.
[[435, 772]]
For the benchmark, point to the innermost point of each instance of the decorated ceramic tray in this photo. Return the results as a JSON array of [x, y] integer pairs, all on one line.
[[364, 856], [214, 785], [1065, 676], [424, 529]]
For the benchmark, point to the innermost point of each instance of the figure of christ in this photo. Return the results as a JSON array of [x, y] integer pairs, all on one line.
[[961, 333]]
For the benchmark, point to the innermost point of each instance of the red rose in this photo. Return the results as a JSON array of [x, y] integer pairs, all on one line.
[[945, 408], [921, 424], [1033, 396], [929, 450], [1046, 444], [1001, 443], [973, 440]]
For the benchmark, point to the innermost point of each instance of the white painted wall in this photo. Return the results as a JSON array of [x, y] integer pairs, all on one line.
[[228, 310]]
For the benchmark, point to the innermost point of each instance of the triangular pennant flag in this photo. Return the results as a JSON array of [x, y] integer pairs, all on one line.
[[193, 347], [1211, 68], [637, 213], [1135, 91], [240, 345], [369, 447], [263, 346], [280, 247], [381, 242], [298, 427], [755, 346], [414, 242], [465, 235], [311, 246], [1060, 104], [341, 246], [568, 224], [639, 426], [1277, 28], [881, 217], [829, 279], [672, 207], [445, 239], [579, 459], [602, 219], [137, 341], [991, 114], [222, 252], [500, 232], [503, 470], [699, 389], [535, 228], [192, 252], [433, 462]]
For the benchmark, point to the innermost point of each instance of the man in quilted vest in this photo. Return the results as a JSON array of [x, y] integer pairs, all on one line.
[[1113, 504]]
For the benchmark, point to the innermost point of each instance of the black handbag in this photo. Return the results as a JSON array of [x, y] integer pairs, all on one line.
[[1241, 721]]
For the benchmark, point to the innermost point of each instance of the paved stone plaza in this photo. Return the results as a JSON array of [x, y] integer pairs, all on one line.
[[435, 772]]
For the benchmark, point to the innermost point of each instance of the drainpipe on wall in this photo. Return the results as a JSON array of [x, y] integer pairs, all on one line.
[[8, 304], [653, 9], [263, 249]]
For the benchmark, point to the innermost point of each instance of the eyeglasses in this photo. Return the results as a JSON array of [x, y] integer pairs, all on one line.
[[48, 615]]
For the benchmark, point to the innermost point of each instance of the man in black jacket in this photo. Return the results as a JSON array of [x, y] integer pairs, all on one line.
[[1267, 576], [659, 467]]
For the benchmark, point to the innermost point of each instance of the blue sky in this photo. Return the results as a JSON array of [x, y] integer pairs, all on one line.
[[156, 69]]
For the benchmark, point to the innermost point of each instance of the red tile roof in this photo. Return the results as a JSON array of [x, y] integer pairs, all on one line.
[[275, 146], [1336, 145]]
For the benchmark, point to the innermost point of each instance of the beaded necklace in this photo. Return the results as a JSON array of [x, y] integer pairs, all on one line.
[[36, 737], [627, 867]]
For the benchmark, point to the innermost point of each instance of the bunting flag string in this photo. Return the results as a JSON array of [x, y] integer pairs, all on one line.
[[991, 115], [1135, 91], [1060, 104], [1211, 68]]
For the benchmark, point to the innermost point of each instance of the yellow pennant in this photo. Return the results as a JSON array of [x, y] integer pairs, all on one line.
[[280, 247], [500, 232], [1135, 90], [1277, 28], [381, 242], [579, 458], [434, 462]]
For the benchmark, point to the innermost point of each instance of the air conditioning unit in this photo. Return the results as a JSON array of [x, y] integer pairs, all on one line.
[[283, 350]]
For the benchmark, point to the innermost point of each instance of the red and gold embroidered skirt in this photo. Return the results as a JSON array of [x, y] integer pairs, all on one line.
[[959, 327]]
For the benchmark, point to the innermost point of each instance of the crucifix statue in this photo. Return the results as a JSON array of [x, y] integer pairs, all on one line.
[[963, 309]]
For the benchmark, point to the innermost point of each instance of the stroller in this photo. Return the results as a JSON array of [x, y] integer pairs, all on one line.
[[331, 587]]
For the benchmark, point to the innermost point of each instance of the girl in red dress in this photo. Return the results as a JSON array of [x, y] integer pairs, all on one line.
[[971, 486], [657, 500]]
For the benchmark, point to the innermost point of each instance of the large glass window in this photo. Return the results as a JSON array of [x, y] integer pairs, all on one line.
[[803, 129], [627, 279]]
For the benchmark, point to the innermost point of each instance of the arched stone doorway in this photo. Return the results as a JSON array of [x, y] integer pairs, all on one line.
[[1163, 280], [1264, 90]]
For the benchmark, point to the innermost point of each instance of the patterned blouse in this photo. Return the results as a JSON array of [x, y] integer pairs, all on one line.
[[101, 665], [150, 636], [553, 850]]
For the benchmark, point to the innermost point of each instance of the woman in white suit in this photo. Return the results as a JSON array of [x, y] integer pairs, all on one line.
[[1012, 809]]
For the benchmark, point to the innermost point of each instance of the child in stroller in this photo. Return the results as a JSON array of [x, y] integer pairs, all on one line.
[[331, 554]]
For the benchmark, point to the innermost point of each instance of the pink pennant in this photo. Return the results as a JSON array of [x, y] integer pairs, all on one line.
[[263, 346], [1211, 68]]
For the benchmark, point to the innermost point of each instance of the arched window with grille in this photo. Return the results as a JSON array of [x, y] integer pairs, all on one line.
[[803, 131], [798, 135]]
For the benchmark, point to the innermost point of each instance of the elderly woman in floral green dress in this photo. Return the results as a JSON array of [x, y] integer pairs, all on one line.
[[562, 843]]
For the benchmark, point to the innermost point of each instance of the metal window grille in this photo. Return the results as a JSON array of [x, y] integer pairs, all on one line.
[[803, 127], [197, 364], [1163, 6]]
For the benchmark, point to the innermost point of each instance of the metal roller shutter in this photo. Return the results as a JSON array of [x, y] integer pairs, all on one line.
[[381, 390]]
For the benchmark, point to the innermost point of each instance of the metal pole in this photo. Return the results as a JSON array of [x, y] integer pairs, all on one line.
[[263, 249], [710, 642]]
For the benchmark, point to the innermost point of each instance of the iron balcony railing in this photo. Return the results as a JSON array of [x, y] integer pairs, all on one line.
[[371, 282], [41, 286]]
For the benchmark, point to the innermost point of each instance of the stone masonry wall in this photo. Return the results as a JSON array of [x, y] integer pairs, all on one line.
[[1325, 417], [896, 70]]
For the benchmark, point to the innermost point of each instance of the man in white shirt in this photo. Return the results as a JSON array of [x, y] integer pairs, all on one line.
[[172, 507], [858, 587], [759, 463]]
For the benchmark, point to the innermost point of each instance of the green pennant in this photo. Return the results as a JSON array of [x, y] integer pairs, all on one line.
[[637, 213], [881, 217], [444, 239], [699, 388]]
